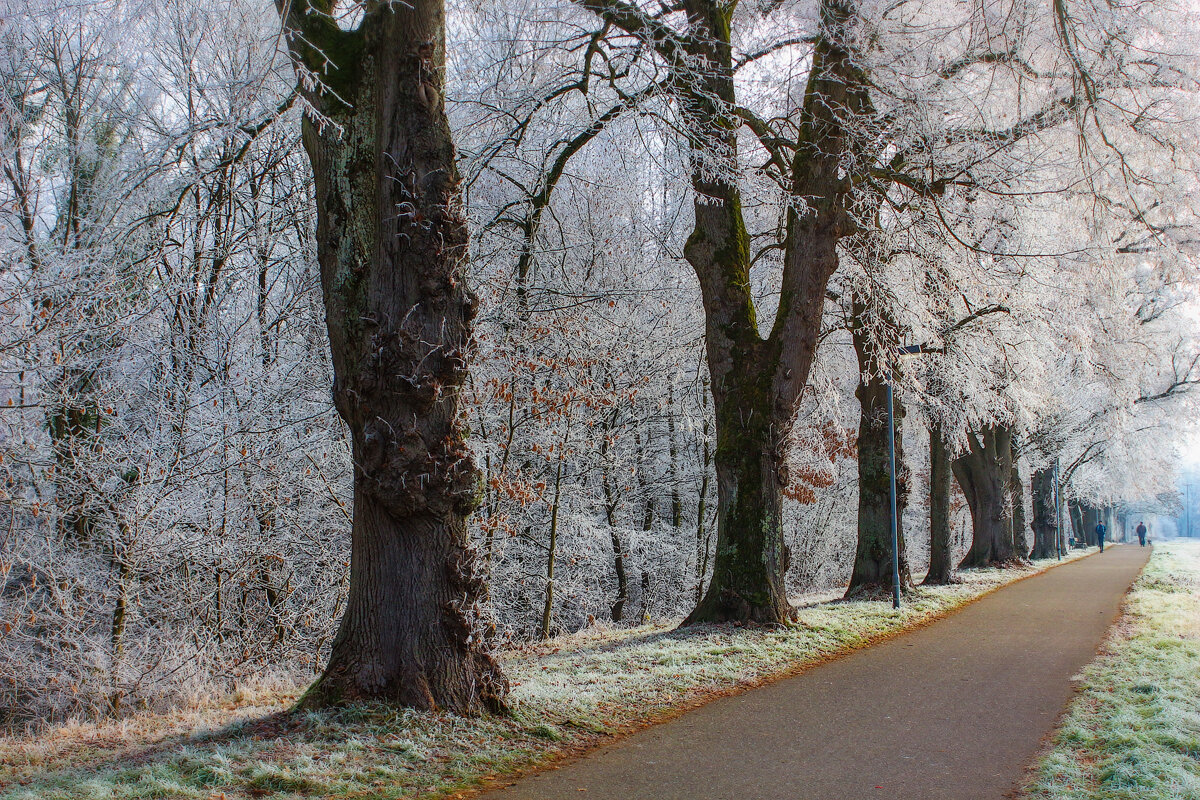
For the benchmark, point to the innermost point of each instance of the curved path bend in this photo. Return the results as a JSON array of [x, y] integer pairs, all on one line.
[[955, 710]]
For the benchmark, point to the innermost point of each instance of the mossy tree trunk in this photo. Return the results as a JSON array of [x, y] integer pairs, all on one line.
[[392, 243], [872, 570], [757, 381], [941, 550], [984, 473], [1045, 518]]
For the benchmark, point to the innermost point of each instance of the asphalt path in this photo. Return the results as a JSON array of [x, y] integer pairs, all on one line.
[[957, 709]]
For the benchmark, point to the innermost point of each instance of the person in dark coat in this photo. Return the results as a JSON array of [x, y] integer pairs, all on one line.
[[1100, 531], [1141, 532]]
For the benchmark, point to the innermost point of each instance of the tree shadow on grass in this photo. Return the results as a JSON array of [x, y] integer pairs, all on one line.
[[369, 751], [679, 634], [81, 761]]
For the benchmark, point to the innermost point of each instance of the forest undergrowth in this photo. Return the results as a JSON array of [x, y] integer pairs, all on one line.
[[568, 694]]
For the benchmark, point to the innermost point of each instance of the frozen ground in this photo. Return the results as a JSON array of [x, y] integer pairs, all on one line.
[[1134, 731], [568, 693]]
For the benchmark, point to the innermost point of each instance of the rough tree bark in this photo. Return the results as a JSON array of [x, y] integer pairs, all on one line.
[[756, 380], [1075, 515], [391, 242], [702, 537], [1045, 518], [983, 473], [1089, 518], [941, 550], [872, 570], [73, 425], [1016, 490]]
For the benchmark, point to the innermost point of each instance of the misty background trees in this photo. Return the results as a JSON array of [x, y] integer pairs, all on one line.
[[695, 256]]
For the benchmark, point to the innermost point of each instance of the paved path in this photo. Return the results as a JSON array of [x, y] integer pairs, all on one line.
[[954, 710]]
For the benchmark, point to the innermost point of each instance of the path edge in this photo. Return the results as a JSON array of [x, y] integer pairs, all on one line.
[[1018, 791], [591, 742]]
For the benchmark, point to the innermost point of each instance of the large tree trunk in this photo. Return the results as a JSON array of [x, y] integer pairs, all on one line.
[[1090, 518], [1045, 515], [983, 473], [391, 242], [1016, 489], [748, 570], [756, 381], [1075, 518], [941, 550], [873, 560]]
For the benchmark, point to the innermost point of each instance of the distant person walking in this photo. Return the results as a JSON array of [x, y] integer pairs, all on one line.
[[1141, 532], [1100, 531]]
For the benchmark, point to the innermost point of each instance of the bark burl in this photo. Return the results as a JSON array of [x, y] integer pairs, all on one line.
[[392, 246]]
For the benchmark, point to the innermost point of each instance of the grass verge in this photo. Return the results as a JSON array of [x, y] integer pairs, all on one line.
[[1134, 729], [568, 695]]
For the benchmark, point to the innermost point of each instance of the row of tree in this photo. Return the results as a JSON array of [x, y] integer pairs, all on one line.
[[611, 295]]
